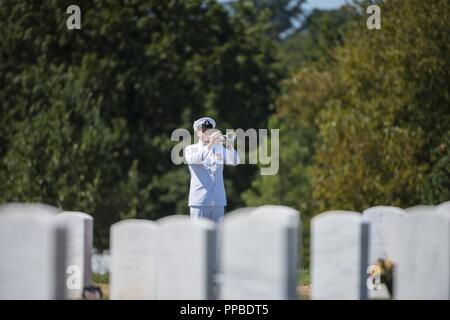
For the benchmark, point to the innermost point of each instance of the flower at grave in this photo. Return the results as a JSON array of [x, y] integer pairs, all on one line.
[[386, 268]]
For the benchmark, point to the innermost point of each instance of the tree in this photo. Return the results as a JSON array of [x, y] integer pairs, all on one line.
[[305, 94], [282, 16], [376, 141], [86, 115], [66, 154], [437, 186], [320, 32], [369, 126]]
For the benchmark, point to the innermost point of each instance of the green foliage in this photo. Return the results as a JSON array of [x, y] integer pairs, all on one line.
[[100, 278], [281, 16], [376, 137], [64, 154], [304, 276], [86, 115], [379, 110], [319, 34], [366, 123], [297, 109], [437, 186]]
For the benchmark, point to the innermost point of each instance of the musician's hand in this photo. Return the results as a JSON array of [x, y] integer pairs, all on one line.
[[213, 138], [219, 139]]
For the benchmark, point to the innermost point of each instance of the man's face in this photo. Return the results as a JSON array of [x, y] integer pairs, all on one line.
[[205, 133]]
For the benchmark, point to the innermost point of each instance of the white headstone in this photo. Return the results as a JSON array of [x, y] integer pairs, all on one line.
[[259, 254], [33, 208], [243, 210], [339, 256], [291, 219], [421, 209], [79, 232], [443, 209], [423, 269], [385, 223], [31, 253], [186, 258], [133, 260]]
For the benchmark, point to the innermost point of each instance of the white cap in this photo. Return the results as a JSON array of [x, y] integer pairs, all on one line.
[[198, 123]]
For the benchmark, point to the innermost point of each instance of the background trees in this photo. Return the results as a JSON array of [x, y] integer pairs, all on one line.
[[86, 116], [376, 141], [366, 122]]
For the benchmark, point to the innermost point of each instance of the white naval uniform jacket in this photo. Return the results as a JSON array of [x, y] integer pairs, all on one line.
[[206, 167]]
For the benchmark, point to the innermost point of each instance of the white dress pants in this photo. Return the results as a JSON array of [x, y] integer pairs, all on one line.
[[214, 213]]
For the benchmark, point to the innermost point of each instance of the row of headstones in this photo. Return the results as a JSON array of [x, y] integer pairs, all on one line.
[[416, 240], [46, 254], [253, 255]]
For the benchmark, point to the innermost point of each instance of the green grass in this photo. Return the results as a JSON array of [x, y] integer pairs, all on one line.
[[304, 276], [100, 278]]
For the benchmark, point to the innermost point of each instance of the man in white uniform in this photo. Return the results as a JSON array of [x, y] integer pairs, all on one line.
[[206, 159]]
